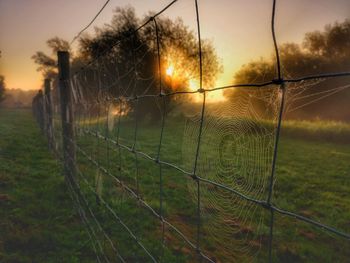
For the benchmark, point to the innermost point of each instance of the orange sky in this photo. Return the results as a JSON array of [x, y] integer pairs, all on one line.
[[239, 29]]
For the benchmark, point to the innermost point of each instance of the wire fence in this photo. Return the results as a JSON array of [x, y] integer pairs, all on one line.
[[140, 157]]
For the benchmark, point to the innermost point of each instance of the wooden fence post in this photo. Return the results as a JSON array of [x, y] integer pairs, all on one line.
[[67, 116], [41, 111], [48, 112]]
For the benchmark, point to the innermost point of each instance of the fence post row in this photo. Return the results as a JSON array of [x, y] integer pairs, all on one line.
[[38, 109], [48, 112], [67, 116]]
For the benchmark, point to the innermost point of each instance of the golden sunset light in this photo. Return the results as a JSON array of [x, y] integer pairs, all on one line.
[[229, 48], [182, 131], [170, 70]]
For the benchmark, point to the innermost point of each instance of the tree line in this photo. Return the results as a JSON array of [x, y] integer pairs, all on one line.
[[130, 56], [326, 51], [121, 52]]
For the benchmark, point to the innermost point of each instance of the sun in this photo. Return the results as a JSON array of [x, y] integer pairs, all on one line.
[[182, 79], [170, 70]]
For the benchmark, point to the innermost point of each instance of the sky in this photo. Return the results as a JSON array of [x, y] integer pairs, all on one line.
[[239, 29]]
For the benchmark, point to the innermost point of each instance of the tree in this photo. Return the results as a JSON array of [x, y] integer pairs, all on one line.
[[320, 52], [126, 60], [333, 41], [47, 64], [111, 53]]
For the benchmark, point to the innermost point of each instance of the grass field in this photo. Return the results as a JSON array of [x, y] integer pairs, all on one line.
[[312, 180], [37, 219]]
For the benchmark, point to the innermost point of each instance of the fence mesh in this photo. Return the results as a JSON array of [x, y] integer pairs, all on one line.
[[161, 175]]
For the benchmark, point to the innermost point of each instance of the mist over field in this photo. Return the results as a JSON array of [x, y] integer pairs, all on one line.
[[18, 98]]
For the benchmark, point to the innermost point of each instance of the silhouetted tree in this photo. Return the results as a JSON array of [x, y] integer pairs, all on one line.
[[47, 64], [131, 58], [321, 52], [333, 41], [123, 61]]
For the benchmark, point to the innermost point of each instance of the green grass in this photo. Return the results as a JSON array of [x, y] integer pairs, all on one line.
[[37, 219], [312, 179], [318, 130]]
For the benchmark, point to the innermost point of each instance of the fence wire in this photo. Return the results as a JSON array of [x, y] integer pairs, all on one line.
[[143, 201]]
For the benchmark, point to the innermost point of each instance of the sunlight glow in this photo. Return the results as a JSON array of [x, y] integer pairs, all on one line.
[[118, 112], [181, 77], [193, 85], [170, 70], [212, 97], [216, 96]]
